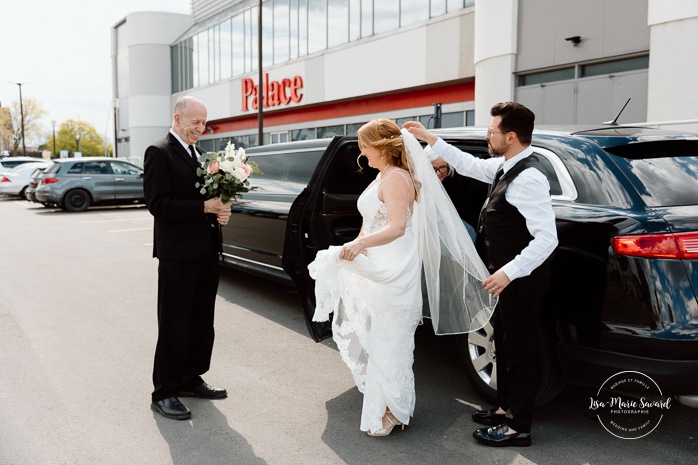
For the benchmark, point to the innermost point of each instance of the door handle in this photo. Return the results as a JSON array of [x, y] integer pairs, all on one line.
[[87, 177], [118, 179]]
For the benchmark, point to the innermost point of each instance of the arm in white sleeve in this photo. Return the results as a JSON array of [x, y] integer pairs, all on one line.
[[465, 163], [530, 194]]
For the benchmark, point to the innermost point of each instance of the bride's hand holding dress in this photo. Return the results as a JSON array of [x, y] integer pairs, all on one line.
[[397, 194]]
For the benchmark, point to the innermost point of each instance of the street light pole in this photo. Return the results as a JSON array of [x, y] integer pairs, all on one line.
[[53, 123], [21, 112], [260, 84]]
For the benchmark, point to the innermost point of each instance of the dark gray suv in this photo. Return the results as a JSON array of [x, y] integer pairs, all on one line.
[[76, 183]]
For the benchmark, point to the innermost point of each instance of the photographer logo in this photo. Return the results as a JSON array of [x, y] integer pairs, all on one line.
[[629, 405]]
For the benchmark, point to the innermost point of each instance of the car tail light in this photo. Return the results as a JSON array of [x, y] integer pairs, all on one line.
[[49, 180], [677, 245], [4, 179]]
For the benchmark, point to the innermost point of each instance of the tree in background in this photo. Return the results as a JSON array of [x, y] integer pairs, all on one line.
[[78, 136], [33, 112], [5, 130]]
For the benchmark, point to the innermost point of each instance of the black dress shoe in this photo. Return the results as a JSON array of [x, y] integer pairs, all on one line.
[[204, 391], [171, 407], [489, 417], [497, 437]]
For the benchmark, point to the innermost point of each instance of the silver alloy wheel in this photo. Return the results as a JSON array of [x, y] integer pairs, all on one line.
[[483, 355]]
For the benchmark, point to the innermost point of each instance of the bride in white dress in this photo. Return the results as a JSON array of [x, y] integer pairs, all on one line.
[[373, 283]]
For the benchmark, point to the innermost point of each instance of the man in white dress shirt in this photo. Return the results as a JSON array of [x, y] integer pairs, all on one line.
[[516, 237]]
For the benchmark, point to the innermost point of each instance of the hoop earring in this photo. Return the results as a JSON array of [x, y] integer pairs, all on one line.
[[357, 162]]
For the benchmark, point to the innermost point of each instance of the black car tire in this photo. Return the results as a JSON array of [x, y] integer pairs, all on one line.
[[23, 193], [76, 200], [479, 344]]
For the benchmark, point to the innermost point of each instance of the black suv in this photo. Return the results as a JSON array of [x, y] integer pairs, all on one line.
[[625, 273]]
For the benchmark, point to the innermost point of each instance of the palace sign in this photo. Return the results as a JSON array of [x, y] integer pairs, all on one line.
[[274, 93]]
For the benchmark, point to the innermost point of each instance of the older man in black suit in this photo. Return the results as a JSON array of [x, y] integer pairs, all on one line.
[[187, 243]]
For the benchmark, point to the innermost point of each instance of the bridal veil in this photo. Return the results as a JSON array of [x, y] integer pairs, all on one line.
[[453, 271]]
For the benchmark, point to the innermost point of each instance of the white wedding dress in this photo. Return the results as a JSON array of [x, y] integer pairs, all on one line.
[[377, 305]]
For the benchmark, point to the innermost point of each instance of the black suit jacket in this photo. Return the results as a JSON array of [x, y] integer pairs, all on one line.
[[182, 230]]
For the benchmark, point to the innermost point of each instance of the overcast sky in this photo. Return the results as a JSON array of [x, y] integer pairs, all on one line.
[[61, 51]]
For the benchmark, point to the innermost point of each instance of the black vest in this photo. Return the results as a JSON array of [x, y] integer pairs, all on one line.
[[502, 231]]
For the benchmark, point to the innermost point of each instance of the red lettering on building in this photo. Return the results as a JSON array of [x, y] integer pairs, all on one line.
[[274, 93]]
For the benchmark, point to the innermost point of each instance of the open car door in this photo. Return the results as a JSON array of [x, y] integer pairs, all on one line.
[[325, 214]]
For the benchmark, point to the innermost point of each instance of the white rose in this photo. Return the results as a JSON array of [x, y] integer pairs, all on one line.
[[228, 166], [242, 172]]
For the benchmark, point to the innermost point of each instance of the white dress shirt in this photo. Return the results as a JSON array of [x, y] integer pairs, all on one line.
[[185, 145], [529, 193]]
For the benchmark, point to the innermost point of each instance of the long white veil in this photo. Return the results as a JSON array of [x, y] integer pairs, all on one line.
[[453, 271]]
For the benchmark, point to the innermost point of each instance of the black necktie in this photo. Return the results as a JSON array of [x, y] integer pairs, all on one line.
[[192, 152], [497, 176]]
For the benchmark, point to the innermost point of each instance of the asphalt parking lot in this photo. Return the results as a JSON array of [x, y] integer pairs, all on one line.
[[77, 334]]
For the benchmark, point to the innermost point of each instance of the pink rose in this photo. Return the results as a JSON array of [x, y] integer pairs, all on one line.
[[213, 168]]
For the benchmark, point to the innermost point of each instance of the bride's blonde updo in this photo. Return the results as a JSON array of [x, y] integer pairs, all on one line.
[[385, 135]]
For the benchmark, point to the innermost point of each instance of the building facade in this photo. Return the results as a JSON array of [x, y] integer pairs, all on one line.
[[328, 66]]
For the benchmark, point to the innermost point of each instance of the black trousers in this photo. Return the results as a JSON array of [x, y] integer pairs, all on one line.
[[518, 331], [186, 299]]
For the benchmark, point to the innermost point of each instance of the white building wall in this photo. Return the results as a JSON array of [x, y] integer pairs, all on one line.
[[143, 101], [496, 31], [672, 95]]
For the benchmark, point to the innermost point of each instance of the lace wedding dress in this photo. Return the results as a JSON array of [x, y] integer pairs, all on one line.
[[377, 305]]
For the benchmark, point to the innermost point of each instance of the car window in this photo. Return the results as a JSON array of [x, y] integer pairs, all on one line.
[[284, 170], [97, 167], [76, 168], [344, 177], [55, 168], [664, 173], [124, 168]]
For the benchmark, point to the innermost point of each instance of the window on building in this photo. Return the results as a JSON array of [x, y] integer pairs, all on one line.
[[354, 20], [226, 51], [317, 26], [228, 47], [303, 134], [366, 18], [452, 120], [386, 16], [238, 45], [269, 35], [401, 121], [438, 7], [337, 22], [546, 76], [413, 12], [630, 64], [353, 129], [330, 131], [279, 137], [293, 29], [470, 117]]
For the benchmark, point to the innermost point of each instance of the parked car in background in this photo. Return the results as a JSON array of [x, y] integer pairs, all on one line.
[[30, 193], [74, 184], [625, 273], [16, 180], [8, 163]]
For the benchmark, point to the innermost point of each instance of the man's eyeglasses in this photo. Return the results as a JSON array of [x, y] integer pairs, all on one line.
[[443, 169], [490, 132]]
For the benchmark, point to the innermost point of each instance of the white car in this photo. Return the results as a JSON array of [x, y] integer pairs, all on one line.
[[7, 163], [16, 180]]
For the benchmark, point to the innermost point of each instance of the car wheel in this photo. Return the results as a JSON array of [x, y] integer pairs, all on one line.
[[76, 201], [23, 194], [479, 356]]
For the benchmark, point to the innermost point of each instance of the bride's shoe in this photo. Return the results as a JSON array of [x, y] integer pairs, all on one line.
[[386, 431]]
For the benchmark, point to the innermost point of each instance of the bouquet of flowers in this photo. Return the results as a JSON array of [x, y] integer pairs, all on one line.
[[226, 173]]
